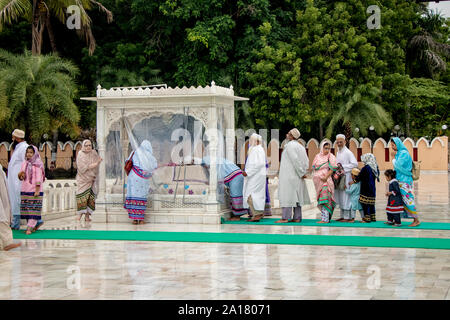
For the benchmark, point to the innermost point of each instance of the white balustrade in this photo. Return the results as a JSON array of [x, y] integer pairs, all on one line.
[[59, 199]]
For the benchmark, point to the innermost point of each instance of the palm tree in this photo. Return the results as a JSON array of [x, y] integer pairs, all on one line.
[[426, 50], [359, 109], [39, 12], [37, 94]]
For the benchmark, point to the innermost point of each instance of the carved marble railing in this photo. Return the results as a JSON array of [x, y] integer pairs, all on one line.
[[59, 199]]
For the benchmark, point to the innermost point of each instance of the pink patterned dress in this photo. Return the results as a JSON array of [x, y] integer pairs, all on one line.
[[324, 190], [31, 206]]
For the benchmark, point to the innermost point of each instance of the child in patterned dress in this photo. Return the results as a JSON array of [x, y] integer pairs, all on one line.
[[354, 192], [395, 202]]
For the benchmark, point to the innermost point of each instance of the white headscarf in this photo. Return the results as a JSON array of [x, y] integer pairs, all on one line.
[[86, 177], [253, 141], [370, 160], [143, 157]]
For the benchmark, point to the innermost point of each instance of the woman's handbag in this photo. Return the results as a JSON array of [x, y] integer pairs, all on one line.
[[129, 164], [416, 170], [339, 178]]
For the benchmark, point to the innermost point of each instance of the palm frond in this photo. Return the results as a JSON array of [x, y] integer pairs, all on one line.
[[360, 109], [38, 93], [109, 15], [434, 61], [12, 10]]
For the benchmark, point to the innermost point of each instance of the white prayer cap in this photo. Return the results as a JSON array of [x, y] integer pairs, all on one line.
[[340, 136], [256, 137], [295, 133], [18, 134]]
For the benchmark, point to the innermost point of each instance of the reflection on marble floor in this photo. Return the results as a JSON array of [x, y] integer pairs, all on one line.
[[68, 269]]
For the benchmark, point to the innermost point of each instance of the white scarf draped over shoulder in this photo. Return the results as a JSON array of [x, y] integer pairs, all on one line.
[[5, 207], [86, 175]]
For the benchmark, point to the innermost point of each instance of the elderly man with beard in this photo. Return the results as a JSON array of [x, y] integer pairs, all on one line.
[[348, 161], [292, 190]]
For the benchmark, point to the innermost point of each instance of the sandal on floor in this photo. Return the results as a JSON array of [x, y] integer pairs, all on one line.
[[36, 228], [257, 218]]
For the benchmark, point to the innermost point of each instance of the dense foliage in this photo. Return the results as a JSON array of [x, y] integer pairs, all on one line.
[[37, 93], [311, 64]]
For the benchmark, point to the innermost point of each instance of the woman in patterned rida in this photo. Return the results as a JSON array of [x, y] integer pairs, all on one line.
[[403, 167], [88, 162], [367, 177], [32, 175], [323, 166], [138, 183]]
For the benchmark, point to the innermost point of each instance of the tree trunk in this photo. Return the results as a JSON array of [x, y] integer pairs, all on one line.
[[347, 132], [54, 148], [320, 130], [408, 116], [51, 34], [37, 29]]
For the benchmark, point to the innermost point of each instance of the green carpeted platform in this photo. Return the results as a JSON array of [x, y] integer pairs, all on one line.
[[356, 224], [321, 240]]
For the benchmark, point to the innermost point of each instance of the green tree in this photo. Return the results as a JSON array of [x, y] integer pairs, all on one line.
[[428, 49], [419, 105], [113, 77], [336, 60], [36, 93], [40, 12], [242, 117], [194, 42], [361, 109], [276, 85], [429, 105]]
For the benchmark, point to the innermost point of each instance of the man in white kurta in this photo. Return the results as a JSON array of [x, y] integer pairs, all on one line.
[[6, 237], [14, 184], [348, 161], [292, 190], [254, 194]]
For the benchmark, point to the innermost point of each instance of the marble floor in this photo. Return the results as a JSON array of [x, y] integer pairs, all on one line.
[[69, 269]]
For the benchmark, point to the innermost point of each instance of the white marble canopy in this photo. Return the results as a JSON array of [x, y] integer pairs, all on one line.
[[206, 104]]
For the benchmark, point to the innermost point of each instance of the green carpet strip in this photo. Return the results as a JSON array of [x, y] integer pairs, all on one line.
[[291, 239], [356, 224]]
